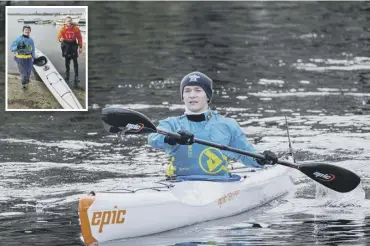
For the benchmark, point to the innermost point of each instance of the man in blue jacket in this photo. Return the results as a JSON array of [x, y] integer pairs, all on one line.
[[192, 159], [24, 49]]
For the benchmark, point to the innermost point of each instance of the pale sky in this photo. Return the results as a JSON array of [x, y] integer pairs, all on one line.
[[52, 9]]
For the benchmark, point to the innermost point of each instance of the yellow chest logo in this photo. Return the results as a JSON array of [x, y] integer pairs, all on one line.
[[211, 161]]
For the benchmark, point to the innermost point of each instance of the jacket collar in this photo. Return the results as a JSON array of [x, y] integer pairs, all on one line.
[[200, 117]]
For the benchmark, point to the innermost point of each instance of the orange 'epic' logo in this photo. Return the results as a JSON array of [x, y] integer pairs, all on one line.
[[108, 217]]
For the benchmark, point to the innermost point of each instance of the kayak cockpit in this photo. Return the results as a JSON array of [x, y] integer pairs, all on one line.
[[40, 61]]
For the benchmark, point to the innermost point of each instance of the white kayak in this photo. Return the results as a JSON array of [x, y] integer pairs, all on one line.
[[55, 82], [168, 205]]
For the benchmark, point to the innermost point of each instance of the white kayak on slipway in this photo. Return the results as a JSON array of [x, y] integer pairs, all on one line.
[[55, 82], [168, 204]]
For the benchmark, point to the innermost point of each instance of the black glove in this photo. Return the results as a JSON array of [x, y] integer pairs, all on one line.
[[270, 158], [187, 138]]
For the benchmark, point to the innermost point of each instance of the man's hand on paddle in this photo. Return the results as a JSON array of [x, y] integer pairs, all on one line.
[[187, 138], [270, 158]]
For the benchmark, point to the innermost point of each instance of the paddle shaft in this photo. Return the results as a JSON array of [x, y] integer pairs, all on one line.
[[290, 143], [227, 148]]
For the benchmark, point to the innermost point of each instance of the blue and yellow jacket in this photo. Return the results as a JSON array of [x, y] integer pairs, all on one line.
[[27, 45], [198, 159]]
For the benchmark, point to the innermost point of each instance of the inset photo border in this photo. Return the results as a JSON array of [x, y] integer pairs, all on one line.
[[46, 58]]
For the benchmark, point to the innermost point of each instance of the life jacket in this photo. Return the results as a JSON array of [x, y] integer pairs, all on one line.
[[24, 46], [69, 45], [70, 34], [199, 159]]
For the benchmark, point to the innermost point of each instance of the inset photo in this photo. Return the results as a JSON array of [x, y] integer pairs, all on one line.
[[46, 58]]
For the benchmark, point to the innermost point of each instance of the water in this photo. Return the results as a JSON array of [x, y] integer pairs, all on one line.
[[307, 60], [45, 38]]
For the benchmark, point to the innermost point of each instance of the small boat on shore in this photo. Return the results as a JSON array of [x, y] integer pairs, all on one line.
[[43, 22], [82, 20], [36, 21], [61, 20], [29, 21]]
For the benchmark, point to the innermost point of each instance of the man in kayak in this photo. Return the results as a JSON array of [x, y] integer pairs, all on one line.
[[188, 159], [24, 49], [71, 44]]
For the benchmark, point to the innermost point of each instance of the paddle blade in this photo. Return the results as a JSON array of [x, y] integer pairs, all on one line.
[[126, 120], [333, 177]]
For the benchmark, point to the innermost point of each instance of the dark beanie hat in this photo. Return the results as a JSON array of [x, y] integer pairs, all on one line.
[[197, 79], [24, 27]]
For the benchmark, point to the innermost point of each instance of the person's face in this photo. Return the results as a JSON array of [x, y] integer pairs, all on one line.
[[195, 99], [68, 21], [26, 31]]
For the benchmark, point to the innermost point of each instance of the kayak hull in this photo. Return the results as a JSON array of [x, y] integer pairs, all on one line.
[[169, 205], [55, 82]]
